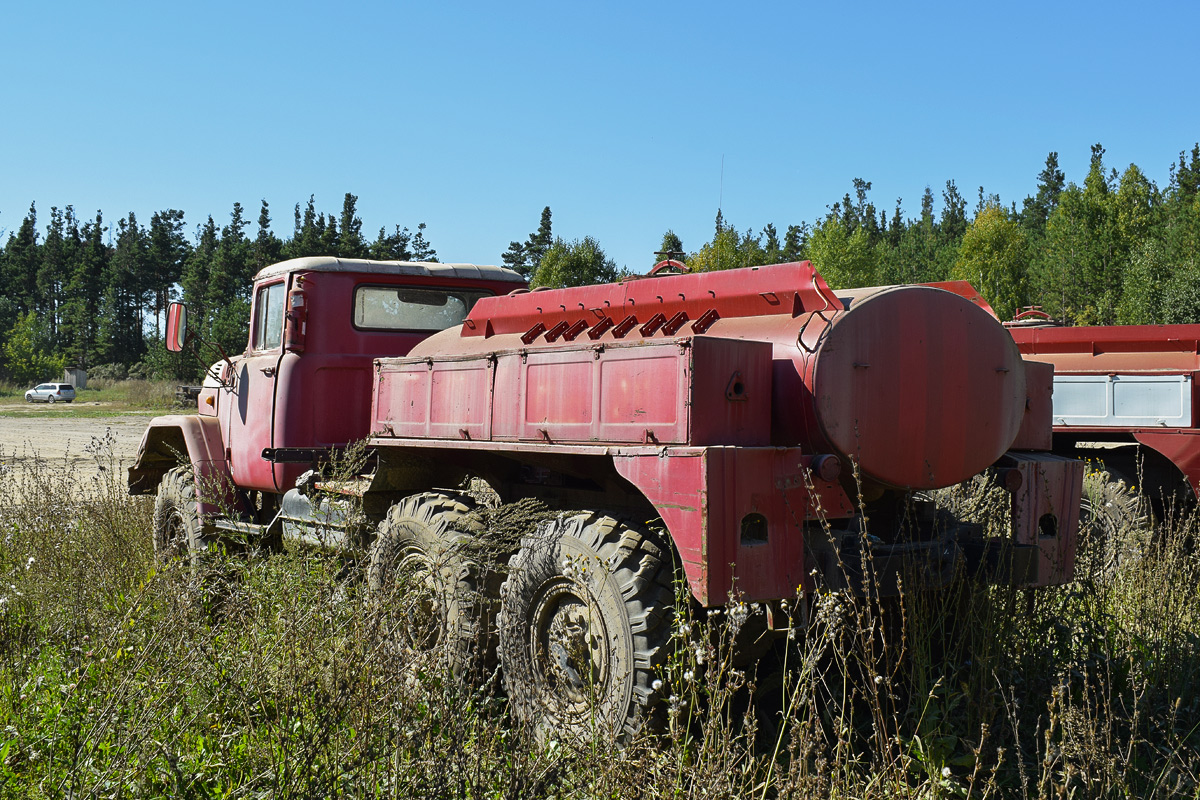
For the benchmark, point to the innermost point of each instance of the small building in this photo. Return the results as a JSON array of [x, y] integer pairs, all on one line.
[[76, 377]]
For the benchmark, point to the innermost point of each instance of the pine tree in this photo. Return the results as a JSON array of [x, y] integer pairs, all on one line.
[[421, 249], [51, 275], [167, 251], [671, 247], [773, 250], [196, 270], [393, 246], [20, 268], [120, 333], [351, 243], [267, 247], [516, 259], [540, 241], [795, 242]]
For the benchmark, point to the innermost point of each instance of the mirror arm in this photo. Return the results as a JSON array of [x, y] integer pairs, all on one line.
[[193, 338]]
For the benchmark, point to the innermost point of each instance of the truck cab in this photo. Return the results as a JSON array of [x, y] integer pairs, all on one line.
[[303, 384]]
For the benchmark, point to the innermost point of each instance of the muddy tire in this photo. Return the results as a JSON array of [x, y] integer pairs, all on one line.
[[585, 627], [178, 531], [1115, 526], [429, 590]]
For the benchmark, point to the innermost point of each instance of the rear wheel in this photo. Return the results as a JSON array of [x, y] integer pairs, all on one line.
[[1114, 527], [430, 586], [585, 625], [50, 399]]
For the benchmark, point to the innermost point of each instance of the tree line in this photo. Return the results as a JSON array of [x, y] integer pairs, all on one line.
[[91, 294], [1115, 249]]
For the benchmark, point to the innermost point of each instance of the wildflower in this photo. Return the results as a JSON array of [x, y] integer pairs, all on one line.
[[689, 675], [945, 772], [656, 685], [878, 679], [685, 628], [30, 562]]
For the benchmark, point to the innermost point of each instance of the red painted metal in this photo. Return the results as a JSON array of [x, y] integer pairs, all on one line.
[[1046, 512], [704, 495], [201, 440], [1036, 432], [1126, 350], [920, 386], [706, 391]]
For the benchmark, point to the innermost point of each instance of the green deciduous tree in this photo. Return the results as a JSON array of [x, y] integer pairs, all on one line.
[[993, 257], [578, 263], [28, 352], [728, 249], [845, 258]]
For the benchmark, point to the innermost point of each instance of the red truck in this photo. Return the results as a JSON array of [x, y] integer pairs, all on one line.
[[728, 432], [1124, 395], [1127, 395]]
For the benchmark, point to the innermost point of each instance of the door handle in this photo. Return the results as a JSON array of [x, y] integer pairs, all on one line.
[[268, 371]]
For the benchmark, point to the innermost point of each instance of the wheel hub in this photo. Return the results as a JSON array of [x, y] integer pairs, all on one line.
[[571, 637]]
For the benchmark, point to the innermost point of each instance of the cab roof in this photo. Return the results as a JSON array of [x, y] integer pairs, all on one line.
[[421, 268]]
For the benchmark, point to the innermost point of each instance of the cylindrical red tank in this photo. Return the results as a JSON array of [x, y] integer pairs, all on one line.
[[918, 386]]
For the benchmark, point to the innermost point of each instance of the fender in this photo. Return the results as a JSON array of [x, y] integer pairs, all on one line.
[[171, 439]]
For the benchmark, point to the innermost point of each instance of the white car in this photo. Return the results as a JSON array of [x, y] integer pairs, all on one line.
[[51, 393]]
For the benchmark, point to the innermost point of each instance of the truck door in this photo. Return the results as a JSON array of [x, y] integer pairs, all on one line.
[[251, 418]]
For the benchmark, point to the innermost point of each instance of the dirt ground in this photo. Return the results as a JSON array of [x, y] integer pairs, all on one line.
[[82, 444]]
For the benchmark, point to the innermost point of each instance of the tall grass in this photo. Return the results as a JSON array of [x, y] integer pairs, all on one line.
[[263, 677]]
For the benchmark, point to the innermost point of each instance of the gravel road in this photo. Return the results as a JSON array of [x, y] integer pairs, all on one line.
[[46, 432]]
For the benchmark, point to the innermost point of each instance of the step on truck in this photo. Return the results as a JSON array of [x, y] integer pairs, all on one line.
[[727, 432]]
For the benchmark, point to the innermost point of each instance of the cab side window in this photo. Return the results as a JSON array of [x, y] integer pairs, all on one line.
[[268, 317]]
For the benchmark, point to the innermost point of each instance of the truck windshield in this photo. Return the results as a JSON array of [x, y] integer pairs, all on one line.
[[405, 308]]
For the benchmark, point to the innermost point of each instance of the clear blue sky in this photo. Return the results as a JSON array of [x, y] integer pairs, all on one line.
[[473, 116]]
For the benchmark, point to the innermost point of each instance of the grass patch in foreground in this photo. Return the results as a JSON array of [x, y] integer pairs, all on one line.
[[264, 676]]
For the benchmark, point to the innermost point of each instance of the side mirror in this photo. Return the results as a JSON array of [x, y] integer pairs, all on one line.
[[176, 327]]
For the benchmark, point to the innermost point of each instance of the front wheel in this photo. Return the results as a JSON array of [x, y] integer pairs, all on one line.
[[50, 399], [178, 530], [585, 624]]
